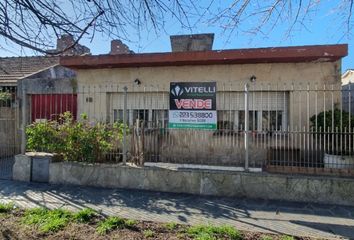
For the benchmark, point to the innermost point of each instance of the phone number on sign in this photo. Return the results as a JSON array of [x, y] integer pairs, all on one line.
[[193, 115]]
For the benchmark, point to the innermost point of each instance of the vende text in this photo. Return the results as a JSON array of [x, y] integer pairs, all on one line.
[[193, 104]]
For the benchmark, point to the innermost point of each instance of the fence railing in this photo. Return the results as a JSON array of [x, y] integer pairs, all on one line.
[[284, 127]]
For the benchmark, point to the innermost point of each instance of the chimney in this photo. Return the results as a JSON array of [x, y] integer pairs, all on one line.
[[118, 47], [66, 41], [194, 42]]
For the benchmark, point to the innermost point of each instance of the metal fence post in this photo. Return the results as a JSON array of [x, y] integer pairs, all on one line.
[[24, 121], [246, 146], [124, 126]]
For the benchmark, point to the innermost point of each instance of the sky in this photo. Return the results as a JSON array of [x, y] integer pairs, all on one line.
[[323, 26]]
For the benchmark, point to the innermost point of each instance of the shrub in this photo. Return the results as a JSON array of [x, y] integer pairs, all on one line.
[[74, 140], [328, 126]]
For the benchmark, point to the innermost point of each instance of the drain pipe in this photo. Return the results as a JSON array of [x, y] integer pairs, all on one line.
[[124, 126], [246, 135]]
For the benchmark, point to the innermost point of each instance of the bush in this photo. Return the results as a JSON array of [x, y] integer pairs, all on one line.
[[75, 140], [329, 127]]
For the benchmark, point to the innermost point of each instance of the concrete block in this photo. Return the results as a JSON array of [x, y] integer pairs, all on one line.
[[22, 168]]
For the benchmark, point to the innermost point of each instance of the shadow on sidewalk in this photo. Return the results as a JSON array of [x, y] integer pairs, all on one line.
[[181, 207]]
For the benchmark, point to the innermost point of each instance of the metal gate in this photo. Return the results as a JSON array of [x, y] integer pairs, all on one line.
[[8, 138]]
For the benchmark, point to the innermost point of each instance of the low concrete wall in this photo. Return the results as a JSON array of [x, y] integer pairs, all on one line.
[[329, 190]]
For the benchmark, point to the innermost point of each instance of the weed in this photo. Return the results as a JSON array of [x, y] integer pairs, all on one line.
[[130, 223], [285, 237], [47, 220], [209, 232], [85, 215], [110, 224], [148, 233], [265, 237], [6, 207], [171, 226]]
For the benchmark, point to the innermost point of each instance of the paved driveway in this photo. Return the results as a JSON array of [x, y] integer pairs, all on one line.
[[321, 221]]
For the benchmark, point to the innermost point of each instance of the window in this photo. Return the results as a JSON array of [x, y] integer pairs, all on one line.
[[272, 120], [160, 118], [252, 117], [118, 115], [227, 120]]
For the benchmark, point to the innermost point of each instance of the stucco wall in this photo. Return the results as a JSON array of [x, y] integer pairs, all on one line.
[[289, 77]]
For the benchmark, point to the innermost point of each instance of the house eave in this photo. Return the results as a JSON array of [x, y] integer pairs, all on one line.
[[317, 53]]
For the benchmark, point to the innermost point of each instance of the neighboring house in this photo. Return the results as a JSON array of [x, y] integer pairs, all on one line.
[[280, 98], [48, 88], [348, 90]]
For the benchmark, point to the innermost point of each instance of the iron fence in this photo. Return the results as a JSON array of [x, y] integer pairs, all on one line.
[[8, 135], [302, 128]]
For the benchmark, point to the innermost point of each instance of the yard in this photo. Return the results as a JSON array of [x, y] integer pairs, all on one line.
[[41, 223]]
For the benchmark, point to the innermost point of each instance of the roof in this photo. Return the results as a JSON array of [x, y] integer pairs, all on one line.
[[16, 68], [321, 53], [347, 72]]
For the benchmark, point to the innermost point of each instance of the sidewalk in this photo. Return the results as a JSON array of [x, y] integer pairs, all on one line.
[[321, 221]]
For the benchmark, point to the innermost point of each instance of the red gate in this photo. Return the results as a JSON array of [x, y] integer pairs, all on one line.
[[50, 106]]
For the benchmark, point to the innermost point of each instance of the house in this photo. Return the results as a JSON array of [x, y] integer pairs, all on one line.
[[46, 88], [292, 84], [348, 90]]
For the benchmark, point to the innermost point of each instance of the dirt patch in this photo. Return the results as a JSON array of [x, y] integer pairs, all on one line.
[[12, 227]]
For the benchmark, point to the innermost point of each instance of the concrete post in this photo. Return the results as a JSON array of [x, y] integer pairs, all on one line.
[[124, 126], [24, 120], [246, 134]]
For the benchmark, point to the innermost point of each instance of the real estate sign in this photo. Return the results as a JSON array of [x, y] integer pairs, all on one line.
[[193, 105]]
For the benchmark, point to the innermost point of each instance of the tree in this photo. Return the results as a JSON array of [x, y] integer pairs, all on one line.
[[33, 23]]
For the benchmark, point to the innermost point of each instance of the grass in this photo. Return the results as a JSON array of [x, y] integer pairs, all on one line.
[[111, 223], [47, 220], [285, 237], [266, 237], [6, 207], [209, 232], [85, 215], [129, 223], [148, 233], [51, 221], [171, 226]]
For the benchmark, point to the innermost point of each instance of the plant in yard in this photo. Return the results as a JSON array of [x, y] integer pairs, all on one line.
[[204, 232], [286, 237], [148, 233], [327, 126], [84, 215], [265, 237], [109, 224], [5, 96], [129, 223], [44, 137], [6, 207], [171, 226], [74, 140], [47, 220]]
